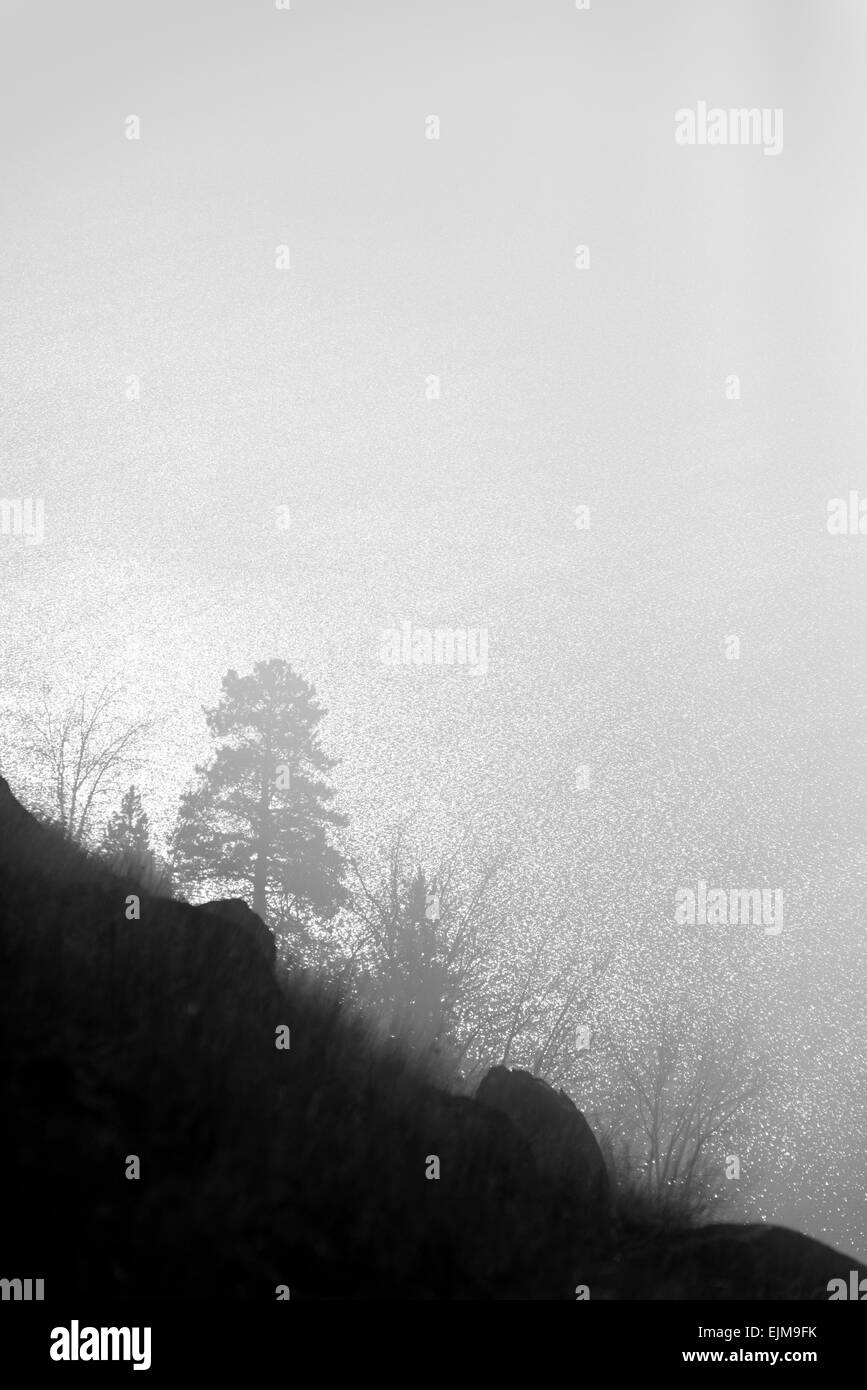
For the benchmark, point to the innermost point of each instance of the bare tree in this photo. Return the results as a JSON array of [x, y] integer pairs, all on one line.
[[686, 1092], [79, 752], [549, 1000], [535, 1001]]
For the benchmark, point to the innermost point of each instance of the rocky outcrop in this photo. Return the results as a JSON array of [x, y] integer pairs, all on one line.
[[248, 922], [149, 1028], [562, 1143], [722, 1262]]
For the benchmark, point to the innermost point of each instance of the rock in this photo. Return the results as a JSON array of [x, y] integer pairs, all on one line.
[[758, 1262], [514, 1246], [724, 1261], [561, 1142], [236, 910], [23, 835]]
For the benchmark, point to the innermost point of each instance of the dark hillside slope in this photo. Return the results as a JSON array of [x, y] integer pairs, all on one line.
[[259, 1166], [155, 1039]]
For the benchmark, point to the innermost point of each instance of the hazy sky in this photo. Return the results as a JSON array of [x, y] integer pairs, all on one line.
[[305, 388]]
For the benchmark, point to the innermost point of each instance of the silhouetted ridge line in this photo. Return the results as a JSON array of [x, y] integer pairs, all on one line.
[[184, 1123]]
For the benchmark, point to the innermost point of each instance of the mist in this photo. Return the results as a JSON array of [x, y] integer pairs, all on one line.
[[331, 328]]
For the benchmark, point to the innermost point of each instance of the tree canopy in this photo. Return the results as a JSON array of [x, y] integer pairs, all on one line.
[[259, 819]]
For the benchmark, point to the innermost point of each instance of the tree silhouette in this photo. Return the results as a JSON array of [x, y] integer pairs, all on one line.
[[126, 844], [258, 819], [128, 832], [686, 1092], [423, 941], [79, 752]]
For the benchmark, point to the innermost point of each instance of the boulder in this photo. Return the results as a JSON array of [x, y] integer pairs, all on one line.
[[236, 910], [562, 1143], [724, 1262]]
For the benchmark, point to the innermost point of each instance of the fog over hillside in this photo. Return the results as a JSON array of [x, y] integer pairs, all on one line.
[[242, 459]]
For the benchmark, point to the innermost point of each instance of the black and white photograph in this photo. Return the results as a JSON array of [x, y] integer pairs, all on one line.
[[433, 717]]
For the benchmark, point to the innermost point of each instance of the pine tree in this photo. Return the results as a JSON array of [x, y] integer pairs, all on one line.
[[258, 819], [127, 834], [422, 971]]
